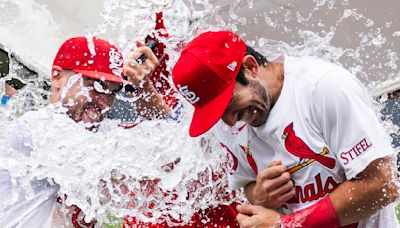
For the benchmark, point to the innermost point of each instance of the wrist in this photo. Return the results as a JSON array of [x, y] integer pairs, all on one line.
[[321, 214]]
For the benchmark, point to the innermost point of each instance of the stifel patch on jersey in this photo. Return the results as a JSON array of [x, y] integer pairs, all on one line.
[[357, 150]]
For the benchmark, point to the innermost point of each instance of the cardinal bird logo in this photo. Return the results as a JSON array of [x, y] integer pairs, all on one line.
[[297, 147]]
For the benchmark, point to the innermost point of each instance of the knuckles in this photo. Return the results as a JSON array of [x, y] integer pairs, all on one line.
[[286, 176], [266, 186], [292, 193], [283, 168], [291, 185]]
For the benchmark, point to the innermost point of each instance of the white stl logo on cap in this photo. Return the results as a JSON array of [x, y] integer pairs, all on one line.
[[115, 62], [189, 95]]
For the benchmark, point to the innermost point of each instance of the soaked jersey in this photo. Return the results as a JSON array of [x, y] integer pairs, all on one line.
[[322, 127]]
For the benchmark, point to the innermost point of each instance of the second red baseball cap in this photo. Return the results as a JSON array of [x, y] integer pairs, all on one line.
[[205, 76], [93, 57]]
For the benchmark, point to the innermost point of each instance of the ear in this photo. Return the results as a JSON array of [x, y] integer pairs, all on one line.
[[57, 77], [250, 65]]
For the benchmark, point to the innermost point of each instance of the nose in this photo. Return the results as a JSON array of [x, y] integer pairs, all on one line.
[[230, 118]]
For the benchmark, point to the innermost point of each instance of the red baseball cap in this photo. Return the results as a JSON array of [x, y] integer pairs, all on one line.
[[93, 57], [205, 76]]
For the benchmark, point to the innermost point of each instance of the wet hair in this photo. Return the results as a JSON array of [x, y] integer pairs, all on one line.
[[261, 60]]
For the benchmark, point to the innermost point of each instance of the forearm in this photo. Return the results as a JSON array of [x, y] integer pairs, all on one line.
[[352, 200], [374, 188], [150, 104]]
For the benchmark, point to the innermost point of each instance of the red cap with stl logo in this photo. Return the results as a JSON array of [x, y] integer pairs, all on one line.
[[205, 76], [92, 57]]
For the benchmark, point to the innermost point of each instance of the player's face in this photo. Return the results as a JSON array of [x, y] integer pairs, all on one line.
[[88, 100], [249, 103]]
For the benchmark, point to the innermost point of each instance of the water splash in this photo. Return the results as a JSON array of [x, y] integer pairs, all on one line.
[[179, 176], [176, 166]]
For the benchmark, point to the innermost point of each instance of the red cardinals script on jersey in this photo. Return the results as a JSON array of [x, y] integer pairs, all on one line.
[[314, 191]]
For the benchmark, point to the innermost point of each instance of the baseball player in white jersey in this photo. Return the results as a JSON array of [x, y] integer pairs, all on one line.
[[306, 138], [86, 75]]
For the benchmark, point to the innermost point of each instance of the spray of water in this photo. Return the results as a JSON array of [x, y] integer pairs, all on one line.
[[154, 171]]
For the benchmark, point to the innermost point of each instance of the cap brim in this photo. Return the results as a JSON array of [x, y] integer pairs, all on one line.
[[100, 76], [207, 116]]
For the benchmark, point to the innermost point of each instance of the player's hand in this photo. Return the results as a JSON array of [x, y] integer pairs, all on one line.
[[273, 186], [257, 216], [138, 74]]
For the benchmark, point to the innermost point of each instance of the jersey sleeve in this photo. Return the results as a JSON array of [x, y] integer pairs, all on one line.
[[349, 124]]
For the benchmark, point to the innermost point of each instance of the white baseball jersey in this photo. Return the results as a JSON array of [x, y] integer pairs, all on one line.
[[322, 127]]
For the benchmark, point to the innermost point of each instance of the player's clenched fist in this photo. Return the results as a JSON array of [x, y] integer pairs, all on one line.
[[138, 73], [272, 188]]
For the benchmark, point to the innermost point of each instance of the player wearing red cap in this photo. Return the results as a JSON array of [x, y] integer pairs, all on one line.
[[101, 65], [87, 74], [294, 118]]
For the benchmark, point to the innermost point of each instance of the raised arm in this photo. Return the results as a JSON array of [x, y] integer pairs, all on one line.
[[370, 191], [149, 104]]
